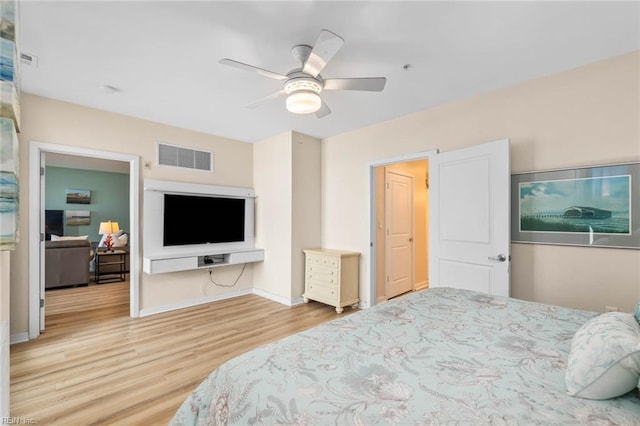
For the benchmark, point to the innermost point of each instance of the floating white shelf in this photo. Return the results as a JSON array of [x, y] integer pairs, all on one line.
[[198, 260]]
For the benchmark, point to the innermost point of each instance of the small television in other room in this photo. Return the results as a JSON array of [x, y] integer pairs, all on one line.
[[53, 223]]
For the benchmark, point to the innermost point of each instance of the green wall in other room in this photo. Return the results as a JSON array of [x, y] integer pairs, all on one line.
[[109, 197]]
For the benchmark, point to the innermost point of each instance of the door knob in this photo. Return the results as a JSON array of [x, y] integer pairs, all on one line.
[[500, 258]]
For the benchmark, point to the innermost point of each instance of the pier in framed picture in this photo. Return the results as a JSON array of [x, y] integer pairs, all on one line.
[[590, 206]]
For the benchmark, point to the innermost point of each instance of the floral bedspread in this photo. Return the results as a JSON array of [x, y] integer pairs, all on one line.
[[440, 356]]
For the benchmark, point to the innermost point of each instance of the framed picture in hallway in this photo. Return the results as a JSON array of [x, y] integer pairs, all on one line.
[[589, 206], [77, 217], [78, 196]]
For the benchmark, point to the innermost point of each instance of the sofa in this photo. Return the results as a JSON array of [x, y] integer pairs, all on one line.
[[66, 263]]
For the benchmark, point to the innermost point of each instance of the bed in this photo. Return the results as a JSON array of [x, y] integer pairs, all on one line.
[[439, 356]]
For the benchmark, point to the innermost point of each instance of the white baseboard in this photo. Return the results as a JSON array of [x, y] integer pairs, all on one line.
[[296, 301], [193, 302], [421, 285], [276, 298], [19, 338], [214, 298]]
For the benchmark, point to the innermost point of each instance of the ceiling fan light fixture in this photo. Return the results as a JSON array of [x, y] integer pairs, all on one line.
[[297, 84], [302, 86], [303, 102]]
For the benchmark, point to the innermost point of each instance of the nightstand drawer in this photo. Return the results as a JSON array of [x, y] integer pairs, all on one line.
[[326, 282], [320, 273], [333, 284], [321, 293], [329, 261]]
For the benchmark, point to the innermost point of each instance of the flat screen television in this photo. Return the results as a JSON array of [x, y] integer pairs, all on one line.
[[183, 220], [53, 223], [202, 219]]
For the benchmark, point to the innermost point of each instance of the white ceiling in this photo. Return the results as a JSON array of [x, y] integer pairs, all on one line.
[[163, 56]]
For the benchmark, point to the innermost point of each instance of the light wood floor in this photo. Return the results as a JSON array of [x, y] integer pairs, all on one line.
[[102, 367], [87, 298]]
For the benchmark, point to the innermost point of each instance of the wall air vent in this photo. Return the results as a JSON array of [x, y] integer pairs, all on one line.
[[187, 158], [29, 59]]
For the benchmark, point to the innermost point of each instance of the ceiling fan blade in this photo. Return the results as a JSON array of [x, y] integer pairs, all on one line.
[[246, 67], [260, 101], [327, 45], [323, 111], [370, 84]]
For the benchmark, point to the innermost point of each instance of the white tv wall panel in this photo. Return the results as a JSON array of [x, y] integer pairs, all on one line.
[[159, 259]]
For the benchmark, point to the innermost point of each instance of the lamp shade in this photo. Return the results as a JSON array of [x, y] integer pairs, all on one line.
[[303, 102], [108, 228]]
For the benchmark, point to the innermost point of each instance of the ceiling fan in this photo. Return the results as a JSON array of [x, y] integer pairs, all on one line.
[[302, 86]]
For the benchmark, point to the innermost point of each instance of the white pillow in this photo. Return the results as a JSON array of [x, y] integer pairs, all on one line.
[[59, 238], [120, 241], [604, 361], [113, 238]]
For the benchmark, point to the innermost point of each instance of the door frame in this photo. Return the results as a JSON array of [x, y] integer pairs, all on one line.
[[36, 249], [373, 219]]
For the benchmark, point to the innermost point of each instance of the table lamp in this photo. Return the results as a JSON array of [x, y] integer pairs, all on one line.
[[108, 228]]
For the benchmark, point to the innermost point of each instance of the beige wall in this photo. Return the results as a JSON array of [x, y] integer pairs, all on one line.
[[306, 204], [273, 186], [288, 210], [586, 116], [50, 121]]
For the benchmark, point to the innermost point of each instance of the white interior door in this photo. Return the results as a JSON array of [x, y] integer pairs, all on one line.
[[399, 233], [469, 214]]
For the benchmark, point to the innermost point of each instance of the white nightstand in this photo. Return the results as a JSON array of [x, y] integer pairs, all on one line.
[[331, 277]]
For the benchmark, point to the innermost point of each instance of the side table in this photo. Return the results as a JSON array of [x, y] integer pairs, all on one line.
[[105, 258]]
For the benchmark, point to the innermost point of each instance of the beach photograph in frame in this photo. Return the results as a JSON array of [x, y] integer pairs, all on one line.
[[8, 146], [78, 196], [8, 18], [77, 217], [9, 105], [8, 210], [590, 206], [8, 184], [8, 60]]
